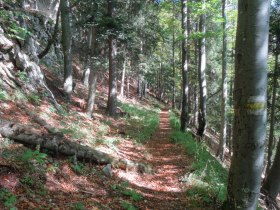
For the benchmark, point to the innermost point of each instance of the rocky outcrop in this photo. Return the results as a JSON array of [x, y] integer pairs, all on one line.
[[17, 69]]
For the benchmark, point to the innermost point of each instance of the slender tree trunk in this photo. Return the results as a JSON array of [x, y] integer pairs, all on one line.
[[92, 91], [272, 116], [249, 131], [229, 138], [127, 86], [271, 185], [89, 54], [185, 87], [93, 72], [67, 47], [223, 130], [160, 84], [112, 95], [123, 77], [202, 77], [173, 58]]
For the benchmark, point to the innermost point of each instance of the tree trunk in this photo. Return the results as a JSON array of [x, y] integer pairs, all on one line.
[[185, 87], [92, 91], [249, 131], [89, 53], [123, 77], [112, 95], [272, 116], [173, 58], [202, 77], [52, 142], [271, 185], [229, 138], [93, 72], [127, 86], [67, 48], [223, 130]]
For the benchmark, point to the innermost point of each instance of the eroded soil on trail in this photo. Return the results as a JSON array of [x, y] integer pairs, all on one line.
[[161, 189]]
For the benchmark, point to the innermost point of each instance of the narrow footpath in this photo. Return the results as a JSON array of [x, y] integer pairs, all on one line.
[[161, 189]]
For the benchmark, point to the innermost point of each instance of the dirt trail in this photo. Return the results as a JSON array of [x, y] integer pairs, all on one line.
[[162, 189]]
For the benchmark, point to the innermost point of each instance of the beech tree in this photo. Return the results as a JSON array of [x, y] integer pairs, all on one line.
[[275, 50], [249, 131], [112, 42], [271, 186], [184, 112], [67, 47], [223, 130], [202, 74]]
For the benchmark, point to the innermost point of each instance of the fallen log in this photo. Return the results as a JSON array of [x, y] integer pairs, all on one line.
[[52, 142], [58, 144]]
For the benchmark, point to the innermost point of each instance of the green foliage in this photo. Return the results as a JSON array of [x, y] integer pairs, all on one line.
[[34, 155], [103, 129], [22, 75], [77, 166], [147, 122], [209, 178], [19, 95], [128, 206], [132, 194], [3, 95], [79, 206], [8, 199], [34, 99], [76, 132], [27, 180], [33, 182], [17, 32], [14, 30]]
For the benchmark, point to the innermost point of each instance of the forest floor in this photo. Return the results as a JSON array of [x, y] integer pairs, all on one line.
[[162, 189], [31, 178], [172, 175], [62, 187]]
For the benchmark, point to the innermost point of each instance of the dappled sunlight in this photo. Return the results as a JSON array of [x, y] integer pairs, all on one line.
[[168, 161], [66, 180]]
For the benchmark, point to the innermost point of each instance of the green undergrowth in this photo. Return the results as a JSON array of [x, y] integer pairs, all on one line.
[[142, 122], [133, 196], [207, 179]]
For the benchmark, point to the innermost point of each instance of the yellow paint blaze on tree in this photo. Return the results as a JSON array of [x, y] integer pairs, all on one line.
[[255, 106]]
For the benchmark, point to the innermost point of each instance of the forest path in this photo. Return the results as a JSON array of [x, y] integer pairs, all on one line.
[[161, 189]]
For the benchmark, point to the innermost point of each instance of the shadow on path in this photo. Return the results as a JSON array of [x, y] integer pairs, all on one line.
[[161, 189]]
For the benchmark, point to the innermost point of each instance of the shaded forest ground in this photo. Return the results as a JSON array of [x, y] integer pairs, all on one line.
[[37, 179], [176, 171]]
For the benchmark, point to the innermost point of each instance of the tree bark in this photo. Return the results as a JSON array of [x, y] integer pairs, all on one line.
[[185, 87], [223, 130], [67, 47], [91, 92], [272, 116], [123, 77], [89, 53], [202, 122], [173, 58], [93, 72], [53, 37], [128, 87], [249, 131], [112, 95], [53, 142], [271, 185]]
